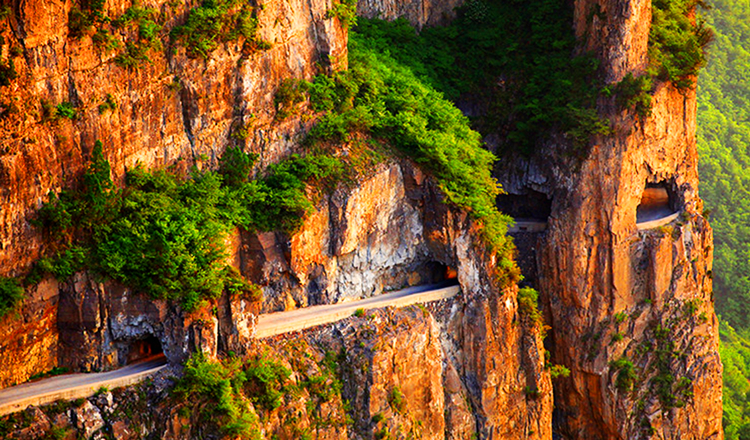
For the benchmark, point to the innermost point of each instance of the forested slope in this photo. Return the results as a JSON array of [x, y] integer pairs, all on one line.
[[724, 148]]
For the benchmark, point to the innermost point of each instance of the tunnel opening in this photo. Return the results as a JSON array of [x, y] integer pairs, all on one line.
[[439, 273], [143, 349], [658, 201], [532, 205]]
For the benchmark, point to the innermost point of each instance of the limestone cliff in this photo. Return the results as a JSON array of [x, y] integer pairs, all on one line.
[[618, 298], [620, 302]]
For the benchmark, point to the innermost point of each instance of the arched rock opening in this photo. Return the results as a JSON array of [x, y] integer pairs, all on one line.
[[658, 201], [532, 205], [141, 349]]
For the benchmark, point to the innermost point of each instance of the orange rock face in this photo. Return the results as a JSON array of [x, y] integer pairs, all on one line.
[[624, 303]]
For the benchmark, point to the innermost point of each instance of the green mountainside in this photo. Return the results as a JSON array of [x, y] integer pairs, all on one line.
[[724, 148]]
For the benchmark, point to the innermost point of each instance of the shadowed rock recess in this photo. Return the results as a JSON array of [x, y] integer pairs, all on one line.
[[619, 302]]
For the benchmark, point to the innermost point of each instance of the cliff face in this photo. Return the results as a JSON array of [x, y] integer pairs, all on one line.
[[464, 366], [167, 108], [618, 299], [170, 110]]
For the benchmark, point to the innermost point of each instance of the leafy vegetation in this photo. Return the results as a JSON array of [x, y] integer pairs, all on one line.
[[676, 51], [514, 58], [146, 36], [85, 16], [5, 12], [626, 374], [164, 235], [723, 145], [220, 392], [345, 11], [218, 21], [7, 71], [528, 307], [214, 390], [11, 293], [66, 110], [677, 41], [380, 98], [109, 104]]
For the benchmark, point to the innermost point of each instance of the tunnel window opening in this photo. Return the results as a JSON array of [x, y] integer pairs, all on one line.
[[532, 205], [658, 201], [144, 349], [439, 273]]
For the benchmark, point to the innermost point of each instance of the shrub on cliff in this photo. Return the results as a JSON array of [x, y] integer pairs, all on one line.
[[380, 98], [11, 293], [677, 41], [164, 235], [528, 307], [513, 61], [214, 391], [215, 22]]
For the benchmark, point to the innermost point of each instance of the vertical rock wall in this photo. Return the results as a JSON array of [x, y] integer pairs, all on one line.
[[169, 109], [621, 300], [419, 13]]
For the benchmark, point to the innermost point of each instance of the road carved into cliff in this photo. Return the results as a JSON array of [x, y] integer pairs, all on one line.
[[651, 220], [75, 386], [271, 324]]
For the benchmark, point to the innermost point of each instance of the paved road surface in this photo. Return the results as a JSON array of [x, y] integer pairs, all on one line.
[[646, 219], [75, 386], [271, 324]]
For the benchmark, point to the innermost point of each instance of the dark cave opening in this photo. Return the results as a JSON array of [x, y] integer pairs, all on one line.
[[532, 205], [436, 272], [142, 349], [657, 201]]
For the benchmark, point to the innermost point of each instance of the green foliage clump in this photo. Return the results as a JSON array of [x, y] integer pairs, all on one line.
[[66, 110], [235, 166], [53, 113], [676, 50], [136, 52], [85, 16], [556, 371], [626, 374], [103, 38], [214, 390], [5, 12], [528, 307], [514, 58], [677, 41], [236, 285], [109, 104], [265, 382], [670, 394], [396, 399], [11, 293], [215, 22], [635, 92], [345, 11], [164, 235], [7, 71], [380, 98], [290, 93]]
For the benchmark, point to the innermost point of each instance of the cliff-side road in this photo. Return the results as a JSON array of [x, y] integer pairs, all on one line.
[[75, 386], [283, 322], [648, 220]]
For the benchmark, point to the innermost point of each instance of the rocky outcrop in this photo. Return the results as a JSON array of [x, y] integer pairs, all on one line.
[[419, 13], [167, 109], [462, 367], [616, 298]]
